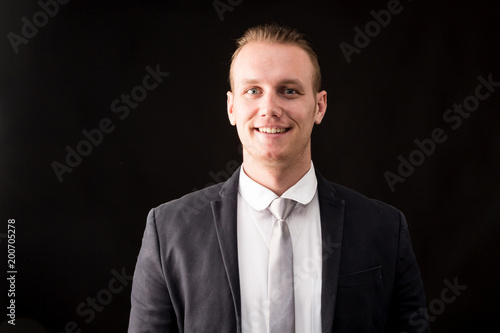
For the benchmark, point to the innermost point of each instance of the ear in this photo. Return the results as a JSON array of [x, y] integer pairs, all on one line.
[[230, 110], [320, 106]]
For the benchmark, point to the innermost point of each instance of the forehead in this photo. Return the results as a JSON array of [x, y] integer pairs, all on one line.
[[272, 63]]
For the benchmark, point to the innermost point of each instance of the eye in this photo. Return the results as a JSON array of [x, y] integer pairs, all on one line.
[[290, 91], [252, 91]]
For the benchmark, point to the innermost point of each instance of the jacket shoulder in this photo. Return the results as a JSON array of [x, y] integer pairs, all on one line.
[[190, 205], [358, 203]]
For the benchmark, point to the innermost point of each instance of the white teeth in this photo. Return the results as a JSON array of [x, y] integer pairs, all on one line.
[[272, 130]]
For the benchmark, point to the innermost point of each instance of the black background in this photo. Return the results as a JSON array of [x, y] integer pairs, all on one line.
[[71, 235]]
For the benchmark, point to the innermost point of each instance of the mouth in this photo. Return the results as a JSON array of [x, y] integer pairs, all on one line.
[[272, 130]]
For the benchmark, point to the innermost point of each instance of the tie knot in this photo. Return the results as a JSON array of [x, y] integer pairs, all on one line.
[[281, 208]]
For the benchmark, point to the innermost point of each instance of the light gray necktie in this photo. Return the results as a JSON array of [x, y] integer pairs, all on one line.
[[281, 295]]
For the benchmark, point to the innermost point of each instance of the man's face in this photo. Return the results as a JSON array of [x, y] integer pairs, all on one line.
[[273, 104]]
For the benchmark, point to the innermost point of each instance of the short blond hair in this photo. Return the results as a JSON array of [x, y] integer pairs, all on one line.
[[274, 33]]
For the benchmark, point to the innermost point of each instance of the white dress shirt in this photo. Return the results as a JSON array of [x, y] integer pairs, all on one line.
[[255, 225]]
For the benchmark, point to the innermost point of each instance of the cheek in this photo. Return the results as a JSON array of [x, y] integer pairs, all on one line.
[[303, 115], [243, 112], [241, 120]]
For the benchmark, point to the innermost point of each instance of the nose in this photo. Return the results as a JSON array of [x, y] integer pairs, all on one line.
[[270, 106]]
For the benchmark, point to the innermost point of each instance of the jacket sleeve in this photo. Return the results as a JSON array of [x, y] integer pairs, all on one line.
[[407, 312], [152, 309]]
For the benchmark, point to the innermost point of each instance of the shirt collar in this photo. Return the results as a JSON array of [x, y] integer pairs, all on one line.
[[260, 197]]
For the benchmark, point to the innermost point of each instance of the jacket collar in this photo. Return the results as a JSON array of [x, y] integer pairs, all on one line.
[[332, 222], [224, 211]]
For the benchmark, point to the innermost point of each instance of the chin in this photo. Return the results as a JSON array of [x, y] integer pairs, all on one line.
[[270, 156], [274, 157]]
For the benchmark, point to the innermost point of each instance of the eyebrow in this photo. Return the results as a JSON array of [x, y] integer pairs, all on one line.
[[282, 82]]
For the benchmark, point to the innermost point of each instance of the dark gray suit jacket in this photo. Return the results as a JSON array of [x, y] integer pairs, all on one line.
[[186, 278]]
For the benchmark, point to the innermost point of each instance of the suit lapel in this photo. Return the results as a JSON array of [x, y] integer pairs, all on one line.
[[224, 211], [332, 221]]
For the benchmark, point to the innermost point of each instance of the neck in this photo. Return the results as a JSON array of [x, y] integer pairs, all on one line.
[[276, 176]]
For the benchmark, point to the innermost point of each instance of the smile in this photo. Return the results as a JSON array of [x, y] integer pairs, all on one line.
[[272, 130]]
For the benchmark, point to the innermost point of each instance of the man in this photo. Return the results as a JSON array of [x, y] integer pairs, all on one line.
[[225, 259]]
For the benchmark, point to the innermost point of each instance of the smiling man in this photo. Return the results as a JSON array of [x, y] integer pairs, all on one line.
[[276, 248], [274, 103]]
